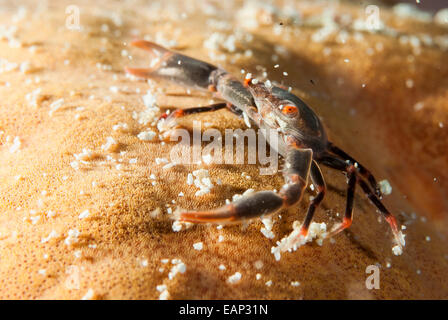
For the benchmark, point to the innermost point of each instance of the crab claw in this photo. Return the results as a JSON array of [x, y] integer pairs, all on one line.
[[157, 54]]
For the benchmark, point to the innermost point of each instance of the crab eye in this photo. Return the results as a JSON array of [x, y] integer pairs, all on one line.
[[289, 110]]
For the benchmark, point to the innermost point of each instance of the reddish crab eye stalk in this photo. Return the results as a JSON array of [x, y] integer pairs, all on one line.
[[289, 110]]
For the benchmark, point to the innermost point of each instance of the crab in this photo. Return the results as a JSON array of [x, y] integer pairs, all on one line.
[[303, 142]]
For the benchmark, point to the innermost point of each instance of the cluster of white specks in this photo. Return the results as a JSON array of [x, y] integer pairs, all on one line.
[[268, 283], [163, 289], [295, 283], [6, 66], [74, 165], [34, 219], [256, 13], [329, 26], [53, 234], [163, 41], [9, 33], [178, 267], [267, 229], [398, 248], [235, 278], [202, 181], [15, 145], [165, 295], [151, 112], [84, 156], [385, 187], [161, 160], [177, 226], [111, 145], [51, 214], [55, 105], [34, 97], [407, 10], [198, 246], [122, 127], [441, 17], [147, 135], [294, 240], [72, 237], [153, 177], [103, 66]]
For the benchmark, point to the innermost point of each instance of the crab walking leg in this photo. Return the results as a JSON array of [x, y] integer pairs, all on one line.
[[319, 182], [362, 170], [348, 217], [342, 165], [171, 119], [298, 162], [387, 215]]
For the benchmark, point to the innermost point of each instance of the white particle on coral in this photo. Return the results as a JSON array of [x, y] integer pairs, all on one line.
[[161, 287], [198, 246], [397, 250], [235, 278], [385, 187], [110, 145], [294, 240], [72, 237], [90, 294], [53, 234], [165, 295], [16, 145], [123, 127], [146, 135], [84, 214]]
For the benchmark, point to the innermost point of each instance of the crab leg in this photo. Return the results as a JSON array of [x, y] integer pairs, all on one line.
[[298, 162], [362, 170], [351, 169], [348, 217], [319, 182]]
